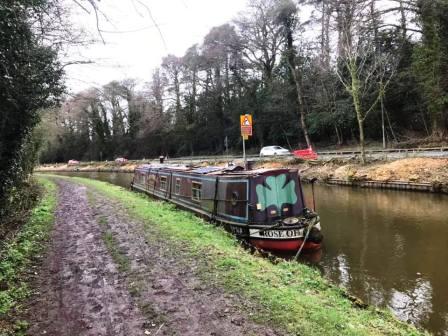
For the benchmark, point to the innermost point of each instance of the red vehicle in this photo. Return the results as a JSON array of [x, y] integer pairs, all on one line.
[[306, 154]]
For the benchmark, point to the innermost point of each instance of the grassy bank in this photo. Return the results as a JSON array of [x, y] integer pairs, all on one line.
[[18, 254], [291, 296]]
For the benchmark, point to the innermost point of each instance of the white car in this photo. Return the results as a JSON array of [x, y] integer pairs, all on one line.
[[274, 150]]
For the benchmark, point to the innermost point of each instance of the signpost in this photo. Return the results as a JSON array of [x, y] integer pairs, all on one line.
[[246, 132]]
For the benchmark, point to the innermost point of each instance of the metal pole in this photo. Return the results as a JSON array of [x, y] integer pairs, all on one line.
[[244, 153], [314, 200], [382, 123], [313, 180]]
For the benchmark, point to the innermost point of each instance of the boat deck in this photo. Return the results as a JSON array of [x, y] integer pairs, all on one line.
[[210, 170]]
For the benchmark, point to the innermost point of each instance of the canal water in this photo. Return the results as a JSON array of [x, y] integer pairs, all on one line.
[[389, 248]]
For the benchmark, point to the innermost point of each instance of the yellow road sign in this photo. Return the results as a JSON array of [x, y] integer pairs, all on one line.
[[246, 120], [246, 125]]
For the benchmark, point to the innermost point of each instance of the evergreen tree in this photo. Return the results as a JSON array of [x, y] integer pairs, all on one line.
[[30, 79], [431, 62]]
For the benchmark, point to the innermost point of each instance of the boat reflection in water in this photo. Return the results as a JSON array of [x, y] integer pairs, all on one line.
[[310, 257]]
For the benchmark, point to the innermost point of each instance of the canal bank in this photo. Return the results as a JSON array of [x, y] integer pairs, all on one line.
[[387, 247], [416, 174], [289, 297]]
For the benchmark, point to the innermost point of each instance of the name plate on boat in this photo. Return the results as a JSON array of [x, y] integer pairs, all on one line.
[[276, 234]]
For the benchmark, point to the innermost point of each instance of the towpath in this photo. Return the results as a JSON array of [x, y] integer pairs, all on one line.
[[105, 274]]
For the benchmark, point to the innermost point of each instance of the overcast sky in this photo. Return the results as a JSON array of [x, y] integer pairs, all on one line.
[[134, 47]]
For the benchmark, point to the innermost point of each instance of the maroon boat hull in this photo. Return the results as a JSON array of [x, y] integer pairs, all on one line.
[[284, 246]]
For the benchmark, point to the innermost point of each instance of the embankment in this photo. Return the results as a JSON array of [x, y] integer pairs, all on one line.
[[420, 174]]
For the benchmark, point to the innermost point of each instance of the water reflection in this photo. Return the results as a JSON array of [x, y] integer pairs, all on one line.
[[344, 271], [387, 247], [415, 304]]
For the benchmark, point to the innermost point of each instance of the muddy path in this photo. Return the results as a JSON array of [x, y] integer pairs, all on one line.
[[108, 274]]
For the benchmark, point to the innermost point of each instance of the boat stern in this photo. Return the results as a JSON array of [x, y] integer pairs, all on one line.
[[288, 237]]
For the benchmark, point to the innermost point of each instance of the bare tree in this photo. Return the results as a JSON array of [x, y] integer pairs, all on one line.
[[261, 37], [172, 65], [157, 88], [364, 72]]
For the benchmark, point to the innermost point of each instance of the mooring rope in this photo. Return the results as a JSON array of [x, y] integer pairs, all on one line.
[[310, 226]]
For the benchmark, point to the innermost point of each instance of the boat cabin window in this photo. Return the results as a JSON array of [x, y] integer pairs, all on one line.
[[234, 200], [177, 186], [151, 180], [163, 182], [196, 191]]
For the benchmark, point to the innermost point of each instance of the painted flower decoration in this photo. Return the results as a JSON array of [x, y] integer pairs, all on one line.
[[276, 192]]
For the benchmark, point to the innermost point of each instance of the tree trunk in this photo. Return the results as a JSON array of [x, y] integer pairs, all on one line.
[[194, 93], [361, 138], [177, 93], [374, 22], [300, 105], [438, 127], [304, 128], [325, 37], [338, 135], [390, 127], [383, 127], [355, 92], [290, 53], [403, 22]]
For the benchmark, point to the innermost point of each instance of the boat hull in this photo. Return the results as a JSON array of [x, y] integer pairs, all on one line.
[[286, 239], [284, 245]]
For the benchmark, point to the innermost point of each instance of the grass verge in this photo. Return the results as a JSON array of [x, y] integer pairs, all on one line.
[[17, 254], [120, 259], [292, 296]]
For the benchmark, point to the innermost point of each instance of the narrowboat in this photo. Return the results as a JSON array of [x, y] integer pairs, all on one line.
[[264, 207]]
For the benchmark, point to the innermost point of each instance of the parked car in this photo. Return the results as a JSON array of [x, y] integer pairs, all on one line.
[[121, 160], [73, 162], [274, 150]]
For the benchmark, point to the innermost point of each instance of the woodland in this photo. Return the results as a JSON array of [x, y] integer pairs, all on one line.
[[321, 73]]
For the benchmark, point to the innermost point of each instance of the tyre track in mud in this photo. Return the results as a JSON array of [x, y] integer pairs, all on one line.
[[83, 292], [80, 291], [169, 289]]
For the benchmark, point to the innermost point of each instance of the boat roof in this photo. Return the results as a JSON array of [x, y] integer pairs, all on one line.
[[209, 170]]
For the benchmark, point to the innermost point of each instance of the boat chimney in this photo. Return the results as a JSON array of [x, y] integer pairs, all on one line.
[[249, 165]]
